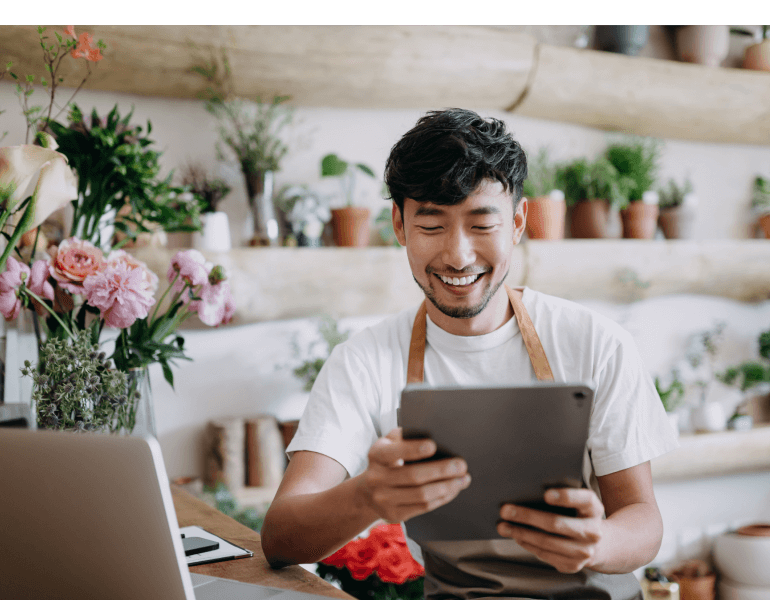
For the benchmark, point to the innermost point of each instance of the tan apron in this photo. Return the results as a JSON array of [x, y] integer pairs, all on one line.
[[501, 568]]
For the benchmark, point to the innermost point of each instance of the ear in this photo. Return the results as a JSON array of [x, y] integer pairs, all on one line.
[[398, 225], [520, 220]]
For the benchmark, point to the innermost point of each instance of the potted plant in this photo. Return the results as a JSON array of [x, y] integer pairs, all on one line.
[[215, 233], [676, 210], [760, 203], [757, 56], [701, 356], [624, 39], [595, 192], [696, 580], [306, 211], [749, 375], [545, 199], [703, 44], [350, 224], [671, 397], [637, 160]]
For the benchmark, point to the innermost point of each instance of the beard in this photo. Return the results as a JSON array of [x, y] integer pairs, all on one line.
[[461, 312]]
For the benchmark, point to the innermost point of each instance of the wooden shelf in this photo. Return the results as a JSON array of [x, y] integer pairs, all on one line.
[[713, 454], [425, 67], [287, 283]]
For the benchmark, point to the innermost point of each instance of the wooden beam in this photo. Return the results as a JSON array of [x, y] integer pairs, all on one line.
[[648, 96]]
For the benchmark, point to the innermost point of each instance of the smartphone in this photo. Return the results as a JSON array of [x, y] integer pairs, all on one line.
[[196, 545]]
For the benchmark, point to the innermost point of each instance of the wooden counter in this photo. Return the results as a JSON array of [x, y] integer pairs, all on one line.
[[192, 511]]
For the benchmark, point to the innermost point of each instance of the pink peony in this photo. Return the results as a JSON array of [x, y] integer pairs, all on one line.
[[10, 282], [121, 293], [150, 278], [216, 305], [39, 285], [73, 261], [192, 269]]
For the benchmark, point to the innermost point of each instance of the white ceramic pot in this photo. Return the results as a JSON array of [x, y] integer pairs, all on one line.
[[744, 560], [729, 590], [215, 235], [709, 417], [703, 44]]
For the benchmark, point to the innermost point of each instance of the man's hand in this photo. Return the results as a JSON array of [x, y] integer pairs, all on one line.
[[567, 543], [397, 490]]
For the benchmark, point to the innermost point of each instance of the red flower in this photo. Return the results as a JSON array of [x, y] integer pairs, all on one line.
[[362, 560], [85, 48], [340, 558], [69, 30]]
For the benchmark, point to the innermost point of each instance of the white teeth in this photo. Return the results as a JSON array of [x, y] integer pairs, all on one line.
[[461, 281]]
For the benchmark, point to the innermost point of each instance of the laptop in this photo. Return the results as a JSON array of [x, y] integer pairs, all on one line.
[[90, 516]]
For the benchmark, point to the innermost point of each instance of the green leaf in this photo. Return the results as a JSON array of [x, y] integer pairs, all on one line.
[[30, 79], [168, 375], [332, 166], [58, 37], [365, 169]]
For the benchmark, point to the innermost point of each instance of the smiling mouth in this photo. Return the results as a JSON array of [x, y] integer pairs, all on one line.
[[460, 281]]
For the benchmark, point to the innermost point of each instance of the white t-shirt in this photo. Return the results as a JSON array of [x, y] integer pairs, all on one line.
[[356, 395]]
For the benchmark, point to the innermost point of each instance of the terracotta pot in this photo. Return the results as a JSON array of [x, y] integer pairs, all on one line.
[[545, 218], [757, 57], [703, 44], [697, 588], [640, 220], [764, 222], [676, 222], [350, 226], [589, 219]]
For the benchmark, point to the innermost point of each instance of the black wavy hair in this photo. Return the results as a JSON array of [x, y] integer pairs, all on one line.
[[448, 154]]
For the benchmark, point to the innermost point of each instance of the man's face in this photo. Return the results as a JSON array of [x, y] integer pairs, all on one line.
[[460, 255]]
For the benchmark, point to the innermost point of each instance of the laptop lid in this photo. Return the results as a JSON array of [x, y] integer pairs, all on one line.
[[87, 516]]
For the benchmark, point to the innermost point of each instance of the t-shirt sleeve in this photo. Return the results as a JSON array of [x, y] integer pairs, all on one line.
[[338, 420], [628, 425]]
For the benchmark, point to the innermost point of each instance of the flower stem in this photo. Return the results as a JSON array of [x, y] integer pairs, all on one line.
[[163, 297], [48, 308]]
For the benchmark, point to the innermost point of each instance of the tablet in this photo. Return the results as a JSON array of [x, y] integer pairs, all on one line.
[[518, 442]]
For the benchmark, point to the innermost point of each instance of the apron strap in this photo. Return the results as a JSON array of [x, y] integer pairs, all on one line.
[[415, 369]]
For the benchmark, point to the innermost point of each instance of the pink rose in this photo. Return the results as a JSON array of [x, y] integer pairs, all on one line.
[[121, 294], [73, 261], [216, 305], [150, 278], [10, 282]]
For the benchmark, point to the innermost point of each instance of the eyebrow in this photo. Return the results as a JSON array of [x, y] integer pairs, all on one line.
[[428, 210]]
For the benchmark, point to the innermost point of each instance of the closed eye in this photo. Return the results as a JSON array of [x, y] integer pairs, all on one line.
[[430, 228]]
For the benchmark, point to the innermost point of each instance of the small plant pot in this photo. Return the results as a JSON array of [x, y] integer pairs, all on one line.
[[588, 219], [623, 39], [757, 57], [764, 223], [709, 417], [703, 44], [545, 218], [676, 222], [350, 226], [697, 588], [640, 220], [215, 233]]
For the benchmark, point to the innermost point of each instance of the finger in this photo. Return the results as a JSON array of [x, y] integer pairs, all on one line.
[[579, 528], [423, 494], [560, 563], [585, 501], [422, 473], [564, 547], [389, 452], [411, 510]]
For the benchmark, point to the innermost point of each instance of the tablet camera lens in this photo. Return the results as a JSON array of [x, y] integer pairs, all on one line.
[[580, 395]]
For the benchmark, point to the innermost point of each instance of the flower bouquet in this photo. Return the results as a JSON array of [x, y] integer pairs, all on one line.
[[378, 566], [78, 289]]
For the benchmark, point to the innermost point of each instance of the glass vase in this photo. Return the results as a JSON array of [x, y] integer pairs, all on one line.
[[259, 188], [141, 419]]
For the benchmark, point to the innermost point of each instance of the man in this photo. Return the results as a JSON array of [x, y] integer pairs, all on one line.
[[456, 181]]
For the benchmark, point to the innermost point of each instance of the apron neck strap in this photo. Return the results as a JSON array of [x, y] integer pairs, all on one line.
[[415, 371]]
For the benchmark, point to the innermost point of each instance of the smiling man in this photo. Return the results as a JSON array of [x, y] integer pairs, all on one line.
[[455, 180]]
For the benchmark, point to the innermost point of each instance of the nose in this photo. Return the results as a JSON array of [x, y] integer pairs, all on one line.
[[458, 251]]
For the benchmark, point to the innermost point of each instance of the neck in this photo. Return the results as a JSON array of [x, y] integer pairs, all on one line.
[[496, 314]]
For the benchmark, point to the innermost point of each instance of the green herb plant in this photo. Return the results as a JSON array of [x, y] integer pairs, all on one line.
[[703, 350], [752, 373], [76, 387], [671, 396], [638, 161], [760, 200], [334, 166], [311, 360], [115, 169], [584, 180], [543, 176], [224, 501], [673, 194], [210, 191]]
